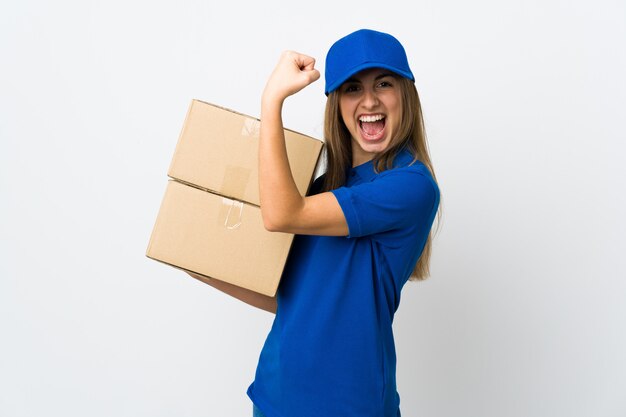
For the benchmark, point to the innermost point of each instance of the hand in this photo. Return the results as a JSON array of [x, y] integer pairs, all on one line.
[[293, 72]]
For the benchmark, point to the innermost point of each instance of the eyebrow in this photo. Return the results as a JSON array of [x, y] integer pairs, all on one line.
[[383, 75]]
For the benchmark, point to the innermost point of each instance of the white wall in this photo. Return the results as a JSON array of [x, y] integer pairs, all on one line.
[[525, 312]]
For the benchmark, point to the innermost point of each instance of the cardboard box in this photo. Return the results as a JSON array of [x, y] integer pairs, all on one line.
[[209, 222]]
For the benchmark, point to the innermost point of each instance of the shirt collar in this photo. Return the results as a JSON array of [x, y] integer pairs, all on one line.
[[366, 172]]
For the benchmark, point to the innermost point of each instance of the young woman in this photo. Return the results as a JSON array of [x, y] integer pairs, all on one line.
[[362, 231]]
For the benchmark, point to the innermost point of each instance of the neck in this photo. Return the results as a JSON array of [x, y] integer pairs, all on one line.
[[361, 158]]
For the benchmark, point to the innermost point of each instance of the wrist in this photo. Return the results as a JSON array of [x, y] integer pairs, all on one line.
[[271, 103]]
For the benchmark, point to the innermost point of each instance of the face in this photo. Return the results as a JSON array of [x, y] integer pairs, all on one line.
[[371, 108]]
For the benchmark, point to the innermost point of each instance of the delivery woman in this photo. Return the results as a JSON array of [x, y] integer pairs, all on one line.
[[330, 352], [362, 232]]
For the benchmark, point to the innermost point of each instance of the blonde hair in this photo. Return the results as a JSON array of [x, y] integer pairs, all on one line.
[[411, 136]]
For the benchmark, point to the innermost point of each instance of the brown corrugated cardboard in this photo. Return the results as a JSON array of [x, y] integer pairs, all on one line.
[[210, 222], [218, 237], [218, 151]]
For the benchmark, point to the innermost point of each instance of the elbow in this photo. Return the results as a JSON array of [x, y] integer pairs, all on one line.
[[280, 219], [271, 224], [270, 227]]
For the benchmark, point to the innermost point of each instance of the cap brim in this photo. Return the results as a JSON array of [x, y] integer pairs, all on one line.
[[367, 65]]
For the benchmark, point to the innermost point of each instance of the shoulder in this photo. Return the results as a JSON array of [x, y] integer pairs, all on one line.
[[412, 184]]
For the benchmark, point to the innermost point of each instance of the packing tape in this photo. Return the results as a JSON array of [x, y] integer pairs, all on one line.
[[235, 181], [231, 213], [251, 127]]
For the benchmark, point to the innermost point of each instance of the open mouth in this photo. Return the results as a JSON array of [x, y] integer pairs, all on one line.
[[372, 126]]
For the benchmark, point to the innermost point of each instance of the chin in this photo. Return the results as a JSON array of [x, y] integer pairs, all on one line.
[[374, 147]]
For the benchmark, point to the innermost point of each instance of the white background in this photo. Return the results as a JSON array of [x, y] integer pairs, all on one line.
[[525, 312]]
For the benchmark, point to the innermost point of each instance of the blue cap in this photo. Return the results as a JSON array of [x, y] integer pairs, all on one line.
[[361, 50]]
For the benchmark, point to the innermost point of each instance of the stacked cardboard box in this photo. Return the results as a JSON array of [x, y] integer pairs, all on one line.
[[210, 220]]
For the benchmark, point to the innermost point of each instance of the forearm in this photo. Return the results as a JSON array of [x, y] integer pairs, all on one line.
[[261, 301], [280, 198]]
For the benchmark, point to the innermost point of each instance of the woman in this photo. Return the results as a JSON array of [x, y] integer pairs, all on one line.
[[361, 231]]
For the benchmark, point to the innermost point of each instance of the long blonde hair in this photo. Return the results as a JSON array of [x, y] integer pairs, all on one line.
[[411, 136]]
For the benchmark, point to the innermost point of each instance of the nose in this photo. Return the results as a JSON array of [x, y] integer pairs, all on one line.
[[370, 99]]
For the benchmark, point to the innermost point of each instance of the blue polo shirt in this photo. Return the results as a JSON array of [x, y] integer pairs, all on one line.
[[330, 351]]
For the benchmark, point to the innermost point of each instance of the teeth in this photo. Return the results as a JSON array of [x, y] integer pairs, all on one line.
[[371, 118]]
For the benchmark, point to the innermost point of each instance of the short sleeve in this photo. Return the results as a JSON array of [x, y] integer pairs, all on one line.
[[395, 199]]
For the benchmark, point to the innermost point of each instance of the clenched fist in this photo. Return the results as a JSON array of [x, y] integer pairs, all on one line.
[[293, 72]]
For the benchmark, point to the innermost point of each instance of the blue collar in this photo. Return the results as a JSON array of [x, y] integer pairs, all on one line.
[[366, 172]]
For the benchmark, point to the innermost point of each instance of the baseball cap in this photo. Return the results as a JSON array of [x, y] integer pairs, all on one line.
[[361, 50]]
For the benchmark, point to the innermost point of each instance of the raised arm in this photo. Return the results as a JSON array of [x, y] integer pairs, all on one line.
[[283, 208]]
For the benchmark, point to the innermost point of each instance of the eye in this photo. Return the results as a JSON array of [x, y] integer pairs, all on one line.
[[351, 88], [385, 84]]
